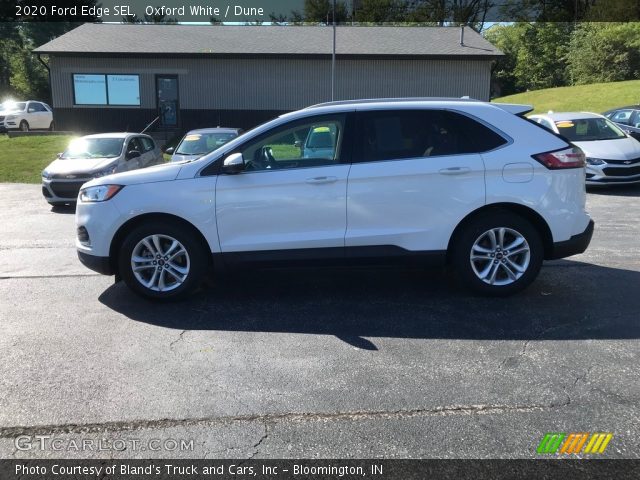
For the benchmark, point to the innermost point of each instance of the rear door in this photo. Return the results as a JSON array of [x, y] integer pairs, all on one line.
[[415, 175]]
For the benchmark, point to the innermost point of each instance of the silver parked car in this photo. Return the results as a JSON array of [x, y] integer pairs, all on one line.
[[94, 156], [201, 141], [613, 157]]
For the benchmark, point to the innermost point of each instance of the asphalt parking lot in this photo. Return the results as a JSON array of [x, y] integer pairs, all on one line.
[[354, 363]]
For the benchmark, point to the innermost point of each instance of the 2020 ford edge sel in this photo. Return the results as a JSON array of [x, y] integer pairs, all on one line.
[[462, 182]]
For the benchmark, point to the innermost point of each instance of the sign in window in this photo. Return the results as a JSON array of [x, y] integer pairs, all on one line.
[[93, 89]]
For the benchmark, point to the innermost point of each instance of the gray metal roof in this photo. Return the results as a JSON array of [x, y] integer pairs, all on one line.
[[118, 39]]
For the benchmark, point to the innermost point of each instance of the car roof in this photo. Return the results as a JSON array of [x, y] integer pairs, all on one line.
[[214, 130], [114, 135], [628, 107], [399, 101], [564, 116]]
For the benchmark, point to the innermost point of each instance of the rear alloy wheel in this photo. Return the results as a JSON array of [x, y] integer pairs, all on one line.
[[52, 126], [162, 262], [24, 126], [498, 254]]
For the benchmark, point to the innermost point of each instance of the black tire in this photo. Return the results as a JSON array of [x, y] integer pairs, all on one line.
[[24, 126], [474, 230], [52, 127], [198, 260]]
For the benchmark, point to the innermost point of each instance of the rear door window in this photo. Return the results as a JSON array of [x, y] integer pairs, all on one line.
[[401, 134]]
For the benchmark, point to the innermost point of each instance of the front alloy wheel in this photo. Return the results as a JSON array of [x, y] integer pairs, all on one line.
[[163, 260], [160, 263]]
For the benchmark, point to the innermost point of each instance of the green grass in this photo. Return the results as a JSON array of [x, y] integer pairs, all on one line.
[[22, 159], [598, 97]]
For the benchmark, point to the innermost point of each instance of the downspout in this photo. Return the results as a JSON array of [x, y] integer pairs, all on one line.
[[48, 74], [50, 88]]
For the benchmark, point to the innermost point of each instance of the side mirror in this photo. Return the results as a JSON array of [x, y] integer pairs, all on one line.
[[234, 163], [59, 155], [297, 143], [170, 150], [132, 154]]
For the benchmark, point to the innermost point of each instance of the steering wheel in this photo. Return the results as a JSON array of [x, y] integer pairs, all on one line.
[[263, 160]]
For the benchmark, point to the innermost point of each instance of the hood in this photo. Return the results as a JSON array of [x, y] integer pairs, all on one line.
[[180, 157], [164, 172], [623, 149], [79, 165]]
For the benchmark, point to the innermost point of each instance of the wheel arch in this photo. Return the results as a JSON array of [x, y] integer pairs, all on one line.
[[538, 222], [136, 221]]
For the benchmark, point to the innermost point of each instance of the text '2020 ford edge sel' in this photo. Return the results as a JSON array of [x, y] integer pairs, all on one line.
[[435, 181]]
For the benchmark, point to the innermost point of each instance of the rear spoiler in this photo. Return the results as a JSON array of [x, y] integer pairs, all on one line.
[[514, 108]]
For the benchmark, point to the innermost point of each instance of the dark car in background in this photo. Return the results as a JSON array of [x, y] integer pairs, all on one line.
[[628, 118], [201, 141]]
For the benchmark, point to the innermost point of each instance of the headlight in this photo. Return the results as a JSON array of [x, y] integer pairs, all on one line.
[[106, 171], [595, 161], [10, 117], [100, 193], [46, 175]]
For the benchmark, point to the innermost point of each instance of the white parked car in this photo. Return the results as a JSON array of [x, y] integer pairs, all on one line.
[[95, 156], [462, 182], [613, 156], [29, 115]]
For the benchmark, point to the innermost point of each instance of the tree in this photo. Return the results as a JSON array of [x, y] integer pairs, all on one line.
[[605, 52]]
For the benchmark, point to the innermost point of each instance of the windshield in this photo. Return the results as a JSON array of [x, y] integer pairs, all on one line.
[[94, 148], [201, 143], [589, 129], [12, 106]]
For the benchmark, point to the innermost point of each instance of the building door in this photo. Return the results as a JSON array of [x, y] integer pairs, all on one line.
[[167, 100]]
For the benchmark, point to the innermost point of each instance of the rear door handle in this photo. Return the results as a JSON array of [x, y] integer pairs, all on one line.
[[455, 170], [321, 180]]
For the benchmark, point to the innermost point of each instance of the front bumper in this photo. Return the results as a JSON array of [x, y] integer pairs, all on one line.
[[614, 173], [97, 264], [575, 245], [62, 191]]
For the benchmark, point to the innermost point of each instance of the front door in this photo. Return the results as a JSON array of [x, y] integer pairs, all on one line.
[[168, 100], [288, 197]]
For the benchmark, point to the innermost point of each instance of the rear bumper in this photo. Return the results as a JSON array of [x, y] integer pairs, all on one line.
[[575, 245], [97, 264]]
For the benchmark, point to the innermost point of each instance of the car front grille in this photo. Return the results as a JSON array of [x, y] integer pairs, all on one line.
[[621, 172], [66, 189], [631, 161], [71, 176]]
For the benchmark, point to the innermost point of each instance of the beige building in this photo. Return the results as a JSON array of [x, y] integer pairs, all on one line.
[[120, 76]]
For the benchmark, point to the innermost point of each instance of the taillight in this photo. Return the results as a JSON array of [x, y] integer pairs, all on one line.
[[567, 158]]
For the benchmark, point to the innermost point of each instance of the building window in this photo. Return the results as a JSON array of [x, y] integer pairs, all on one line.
[[94, 89]]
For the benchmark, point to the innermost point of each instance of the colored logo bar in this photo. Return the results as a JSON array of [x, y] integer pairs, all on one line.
[[573, 443]]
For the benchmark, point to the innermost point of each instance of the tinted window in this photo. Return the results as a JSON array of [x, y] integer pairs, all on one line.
[[308, 143], [134, 144], [36, 107], [388, 135], [622, 116], [147, 144]]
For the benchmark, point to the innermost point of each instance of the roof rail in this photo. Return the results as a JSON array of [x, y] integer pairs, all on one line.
[[394, 100]]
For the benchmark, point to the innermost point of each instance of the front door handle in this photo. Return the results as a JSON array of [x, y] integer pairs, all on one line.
[[321, 180], [455, 171]]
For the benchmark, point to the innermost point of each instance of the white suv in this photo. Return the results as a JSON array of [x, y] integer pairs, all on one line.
[[462, 182], [26, 116]]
